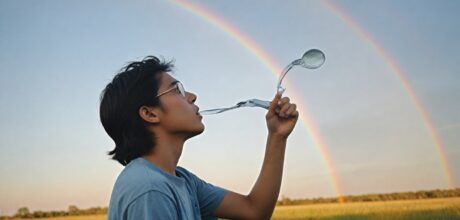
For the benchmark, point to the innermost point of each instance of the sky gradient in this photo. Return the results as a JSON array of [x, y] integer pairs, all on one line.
[[56, 57]]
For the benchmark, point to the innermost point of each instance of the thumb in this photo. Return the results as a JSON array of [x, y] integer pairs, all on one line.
[[274, 104]]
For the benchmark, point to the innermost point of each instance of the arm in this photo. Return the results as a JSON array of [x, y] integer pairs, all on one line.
[[260, 203]]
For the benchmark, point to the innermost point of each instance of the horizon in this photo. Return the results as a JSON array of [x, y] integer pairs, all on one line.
[[379, 116], [282, 198]]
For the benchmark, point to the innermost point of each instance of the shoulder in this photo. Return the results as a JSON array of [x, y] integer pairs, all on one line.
[[138, 176], [208, 195], [135, 181], [192, 179], [185, 173]]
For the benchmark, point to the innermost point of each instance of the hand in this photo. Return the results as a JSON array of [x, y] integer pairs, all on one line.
[[281, 116]]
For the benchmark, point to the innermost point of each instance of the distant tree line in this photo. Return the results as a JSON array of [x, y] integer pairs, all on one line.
[[424, 194], [73, 210]]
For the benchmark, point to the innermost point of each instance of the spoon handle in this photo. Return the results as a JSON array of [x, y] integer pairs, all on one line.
[[216, 110], [260, 103], [283, 74], [248, 103]]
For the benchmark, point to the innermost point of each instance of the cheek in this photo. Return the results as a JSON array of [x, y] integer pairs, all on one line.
[[178, 113]]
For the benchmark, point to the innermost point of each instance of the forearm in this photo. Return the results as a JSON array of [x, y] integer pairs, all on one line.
[[264, 194], [260, 203]]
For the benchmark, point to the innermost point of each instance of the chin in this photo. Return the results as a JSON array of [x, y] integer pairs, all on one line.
[[196, 131], [200, 129]]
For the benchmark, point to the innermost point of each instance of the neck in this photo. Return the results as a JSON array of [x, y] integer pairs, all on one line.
[[166, 153]]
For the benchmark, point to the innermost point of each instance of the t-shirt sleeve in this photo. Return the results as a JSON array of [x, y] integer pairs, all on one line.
[[209, 196], [152, 205]]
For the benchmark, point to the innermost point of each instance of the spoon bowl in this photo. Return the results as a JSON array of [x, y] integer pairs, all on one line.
[[313, 59]]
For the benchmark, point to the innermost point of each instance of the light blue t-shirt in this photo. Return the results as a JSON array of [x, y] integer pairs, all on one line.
[[142, 191]]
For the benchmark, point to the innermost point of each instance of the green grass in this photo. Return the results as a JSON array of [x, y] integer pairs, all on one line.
[[431, 209]]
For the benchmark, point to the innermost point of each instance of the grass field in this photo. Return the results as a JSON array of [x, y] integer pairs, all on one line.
[[431, 209], [410, 209]]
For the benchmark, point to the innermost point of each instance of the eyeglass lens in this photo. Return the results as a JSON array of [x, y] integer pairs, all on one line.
[[181, 88]]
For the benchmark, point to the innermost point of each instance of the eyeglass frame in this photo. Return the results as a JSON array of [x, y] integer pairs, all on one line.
[[176, 85]]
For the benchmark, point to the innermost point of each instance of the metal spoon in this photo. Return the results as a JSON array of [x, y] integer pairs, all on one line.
[[312, 59]]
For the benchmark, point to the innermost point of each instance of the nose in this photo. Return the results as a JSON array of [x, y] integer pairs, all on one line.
[[191, 97]]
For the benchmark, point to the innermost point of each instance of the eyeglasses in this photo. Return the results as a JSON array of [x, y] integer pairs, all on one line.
[[177, 86]]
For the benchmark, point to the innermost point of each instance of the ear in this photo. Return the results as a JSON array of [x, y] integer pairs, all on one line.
[[149, 114]]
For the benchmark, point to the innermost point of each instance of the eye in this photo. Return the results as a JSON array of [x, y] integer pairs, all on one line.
[[177, 89]]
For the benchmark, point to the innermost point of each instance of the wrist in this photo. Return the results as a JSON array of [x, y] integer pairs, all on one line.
[[275, 136]]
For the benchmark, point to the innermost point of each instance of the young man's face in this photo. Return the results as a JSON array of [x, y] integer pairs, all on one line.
[[178, 114]]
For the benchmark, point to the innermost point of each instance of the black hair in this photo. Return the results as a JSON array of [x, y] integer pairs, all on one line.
[[134, 86]]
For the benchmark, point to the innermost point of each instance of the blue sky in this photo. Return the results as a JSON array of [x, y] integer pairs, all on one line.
[[57, 56]]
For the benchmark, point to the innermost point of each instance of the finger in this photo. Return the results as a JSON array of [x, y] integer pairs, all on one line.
[[291, 109], [274, 103], [285, 100], [283, 109], [295, 114]]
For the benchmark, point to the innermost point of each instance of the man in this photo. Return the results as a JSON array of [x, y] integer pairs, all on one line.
[[149, 116]]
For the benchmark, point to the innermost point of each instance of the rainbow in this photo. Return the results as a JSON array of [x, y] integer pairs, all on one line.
[[263, 57], [428, 124]]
